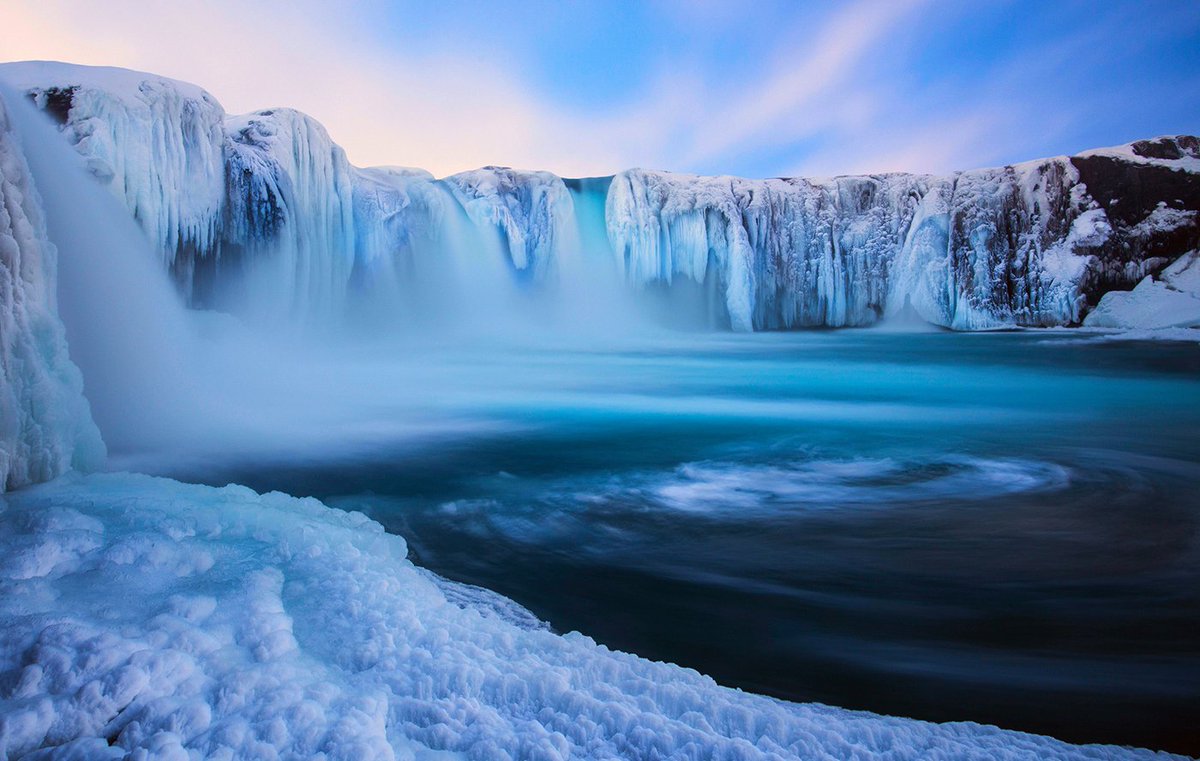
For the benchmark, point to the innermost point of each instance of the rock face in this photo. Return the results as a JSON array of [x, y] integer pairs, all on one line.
[[266, 207], [45, 425]]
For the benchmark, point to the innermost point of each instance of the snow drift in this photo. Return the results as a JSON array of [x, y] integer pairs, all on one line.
[[266, 207], [1170, 300]]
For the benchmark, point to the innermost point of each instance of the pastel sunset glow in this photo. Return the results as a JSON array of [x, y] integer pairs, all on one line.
[[592, 88]]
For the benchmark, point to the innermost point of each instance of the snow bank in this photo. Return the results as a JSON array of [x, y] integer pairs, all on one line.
[[143, 618], [1170, 300], [45, 424]]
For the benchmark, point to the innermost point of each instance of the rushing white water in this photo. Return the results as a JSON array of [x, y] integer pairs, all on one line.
[[126, 328], [45, 425]]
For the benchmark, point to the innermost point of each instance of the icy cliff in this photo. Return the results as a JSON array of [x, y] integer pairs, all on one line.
[[533, 210], [158, 143], [45, 424], [266, 208], [290, 217], [1032, 244]]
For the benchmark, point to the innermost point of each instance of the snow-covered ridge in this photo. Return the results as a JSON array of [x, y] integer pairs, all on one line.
[[45, 424], [274, 627], [1173, 152], [266, 206]]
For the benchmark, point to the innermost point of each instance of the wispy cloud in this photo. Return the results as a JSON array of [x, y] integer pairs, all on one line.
[[810, 84]]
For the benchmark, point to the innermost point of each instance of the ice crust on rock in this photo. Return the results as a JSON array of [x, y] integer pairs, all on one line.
[[45, 424], [1010, 246], [1170, 300], [266, 205], [144, 618]]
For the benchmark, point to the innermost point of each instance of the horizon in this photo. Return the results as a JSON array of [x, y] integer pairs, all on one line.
[[592, 89]]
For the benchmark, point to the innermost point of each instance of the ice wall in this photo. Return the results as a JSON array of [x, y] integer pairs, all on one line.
[[45, 424], [262, 213], [1030, 244], [532, 210]]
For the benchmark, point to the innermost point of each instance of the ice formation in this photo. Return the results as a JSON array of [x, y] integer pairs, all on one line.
[[158, 143], [290, 217], [45, 424], [1020, 245], [143, 618], [266, 206]]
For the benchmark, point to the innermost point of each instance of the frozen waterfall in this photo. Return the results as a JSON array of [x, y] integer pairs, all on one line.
[[263, 215]]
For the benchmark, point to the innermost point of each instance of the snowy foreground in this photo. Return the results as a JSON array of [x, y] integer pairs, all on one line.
[[144, 618]]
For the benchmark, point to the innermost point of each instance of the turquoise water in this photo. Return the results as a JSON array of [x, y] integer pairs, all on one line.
[[994, 527]]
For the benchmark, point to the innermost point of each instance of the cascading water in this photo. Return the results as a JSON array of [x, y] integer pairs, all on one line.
[[126, 328], [167, 382], [299, 236]]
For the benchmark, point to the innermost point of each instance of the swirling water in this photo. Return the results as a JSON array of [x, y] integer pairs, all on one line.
[[994, 527]]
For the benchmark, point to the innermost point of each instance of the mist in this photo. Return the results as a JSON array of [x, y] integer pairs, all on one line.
[[419, 351]]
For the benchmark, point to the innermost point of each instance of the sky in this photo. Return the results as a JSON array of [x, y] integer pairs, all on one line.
[[757, 88]]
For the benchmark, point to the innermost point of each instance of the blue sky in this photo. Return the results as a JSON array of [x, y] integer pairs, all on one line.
[[760, 88]]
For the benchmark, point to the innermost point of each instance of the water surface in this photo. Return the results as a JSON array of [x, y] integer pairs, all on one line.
[[993, 527]]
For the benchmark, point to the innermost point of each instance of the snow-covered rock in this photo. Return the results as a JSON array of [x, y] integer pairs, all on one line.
[[1019, 245], [143, 618], [45, 424], [1170, 300]]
